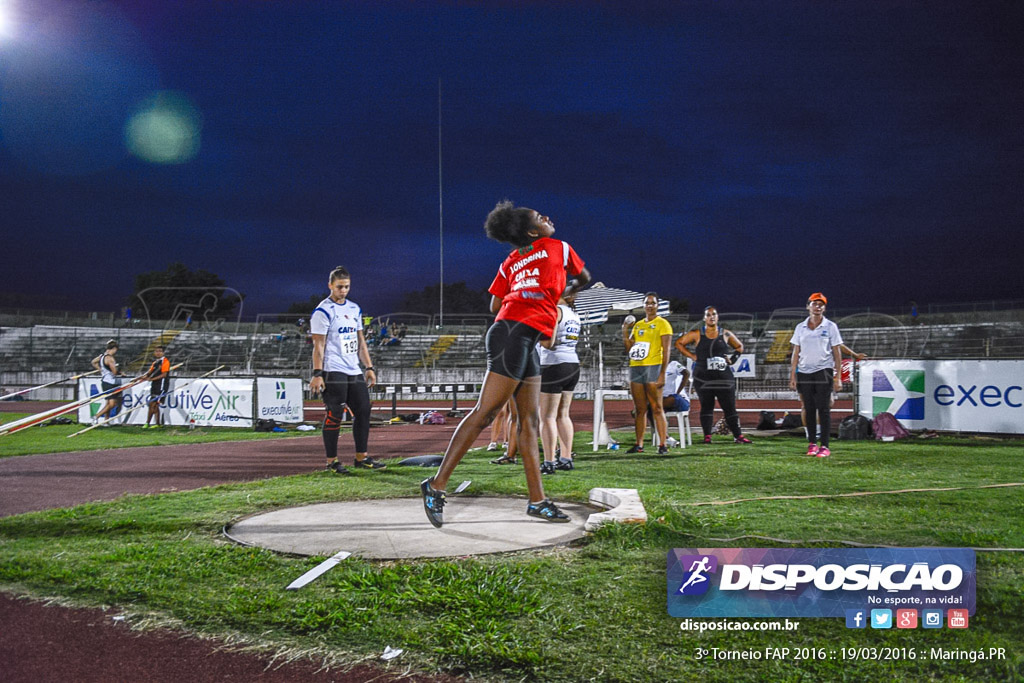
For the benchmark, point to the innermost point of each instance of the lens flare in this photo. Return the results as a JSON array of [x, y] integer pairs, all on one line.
[[165, 130]]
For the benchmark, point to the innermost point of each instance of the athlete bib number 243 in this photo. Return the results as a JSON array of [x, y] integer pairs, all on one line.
[[639, 350]]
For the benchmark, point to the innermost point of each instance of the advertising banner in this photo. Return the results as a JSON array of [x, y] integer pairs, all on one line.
[[90, 386], [279, 399], [206, 402], [818, 582], [949, 395]]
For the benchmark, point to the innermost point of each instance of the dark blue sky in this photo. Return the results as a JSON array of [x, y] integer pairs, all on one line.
[[737, 153]]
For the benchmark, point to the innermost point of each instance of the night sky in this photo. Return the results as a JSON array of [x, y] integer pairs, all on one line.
[[737, 153]]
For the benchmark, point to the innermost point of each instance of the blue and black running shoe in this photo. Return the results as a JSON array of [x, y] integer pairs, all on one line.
[[433, 503], [547, 511]]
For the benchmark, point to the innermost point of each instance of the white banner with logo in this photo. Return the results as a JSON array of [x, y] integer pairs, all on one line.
[[279, 399], [951, 395], [206, 402]]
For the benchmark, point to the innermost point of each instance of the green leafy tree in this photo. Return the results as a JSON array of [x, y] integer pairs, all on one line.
[[678, 304], [167, 292], [458, 298]]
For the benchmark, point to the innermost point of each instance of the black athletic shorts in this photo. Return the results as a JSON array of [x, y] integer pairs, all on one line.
[[157, 390], [554, 379], [512, 349]]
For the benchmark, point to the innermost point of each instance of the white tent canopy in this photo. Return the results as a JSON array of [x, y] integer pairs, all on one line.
[[597, 303]]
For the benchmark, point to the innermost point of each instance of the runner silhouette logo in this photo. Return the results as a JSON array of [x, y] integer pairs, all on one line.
[[696, 580]]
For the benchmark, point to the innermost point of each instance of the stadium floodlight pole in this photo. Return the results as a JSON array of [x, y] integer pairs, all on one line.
[[48, 384], [39, 418], [440, 203], [146, 404]]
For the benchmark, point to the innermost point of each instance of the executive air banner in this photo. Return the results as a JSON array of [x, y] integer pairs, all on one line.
[[279, 399], [946, 395], [204, 402]]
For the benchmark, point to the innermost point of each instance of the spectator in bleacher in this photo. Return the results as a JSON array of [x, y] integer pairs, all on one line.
[[560, 372], [159, 375], [715, 349], [110, 379], [524, 294], [648, 342], [816, 370], [338, 348]]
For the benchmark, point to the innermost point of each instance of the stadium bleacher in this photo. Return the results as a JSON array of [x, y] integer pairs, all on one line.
[[428, 355]]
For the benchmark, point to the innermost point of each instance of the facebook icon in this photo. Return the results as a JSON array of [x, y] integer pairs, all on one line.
[[856, 618]]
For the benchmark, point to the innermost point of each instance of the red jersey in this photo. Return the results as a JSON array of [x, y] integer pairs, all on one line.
[[530, 281]]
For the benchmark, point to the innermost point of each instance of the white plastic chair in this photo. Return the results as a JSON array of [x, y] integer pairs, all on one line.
[[685, 436]]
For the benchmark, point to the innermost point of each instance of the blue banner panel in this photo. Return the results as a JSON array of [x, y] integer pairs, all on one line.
[[816, 582]]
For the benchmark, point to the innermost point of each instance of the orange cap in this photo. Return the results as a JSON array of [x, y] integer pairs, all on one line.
[[817, 296]]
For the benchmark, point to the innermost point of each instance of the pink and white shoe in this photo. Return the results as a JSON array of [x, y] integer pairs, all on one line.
[[823, 452], [812, 449], [741, 439]]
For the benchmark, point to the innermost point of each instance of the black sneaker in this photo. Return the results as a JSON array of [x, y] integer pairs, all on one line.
[[547, 467], [663, 450], [433, 503], [564, 464], [547, 511], [337, 468], [636, 449], [369, 463]]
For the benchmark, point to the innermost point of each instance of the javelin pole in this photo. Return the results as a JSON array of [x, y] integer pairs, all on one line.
[[143, 405], [48, 384], [31, 420]]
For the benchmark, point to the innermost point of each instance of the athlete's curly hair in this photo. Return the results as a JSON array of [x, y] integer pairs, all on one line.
[[510, 224]]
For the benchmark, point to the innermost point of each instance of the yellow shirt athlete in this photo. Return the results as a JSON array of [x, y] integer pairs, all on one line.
[[647, 344], [647, 348]]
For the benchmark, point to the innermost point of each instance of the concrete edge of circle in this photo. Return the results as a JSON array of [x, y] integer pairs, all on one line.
[[624, 506]]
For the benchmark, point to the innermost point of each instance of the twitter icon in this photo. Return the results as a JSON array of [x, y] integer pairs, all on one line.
[[881, 618]]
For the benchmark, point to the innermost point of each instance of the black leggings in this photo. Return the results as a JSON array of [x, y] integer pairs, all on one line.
[[816, 392], [341, 390], [725, 392]]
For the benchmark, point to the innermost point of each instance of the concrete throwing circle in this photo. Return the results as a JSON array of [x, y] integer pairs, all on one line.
[[397, 528]]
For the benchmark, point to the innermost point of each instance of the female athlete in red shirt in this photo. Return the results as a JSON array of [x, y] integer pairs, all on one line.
[[525, 295]]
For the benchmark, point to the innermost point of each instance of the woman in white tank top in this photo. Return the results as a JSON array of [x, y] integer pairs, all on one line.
[[560, 371]]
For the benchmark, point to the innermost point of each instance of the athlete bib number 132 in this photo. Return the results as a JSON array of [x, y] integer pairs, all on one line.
[[639, 350]]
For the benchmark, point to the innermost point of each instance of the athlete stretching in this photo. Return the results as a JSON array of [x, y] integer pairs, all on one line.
[[338, 346], [524, 294]]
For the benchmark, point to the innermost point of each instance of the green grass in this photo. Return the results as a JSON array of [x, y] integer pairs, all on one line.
[[53, 439], [594, 611]]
